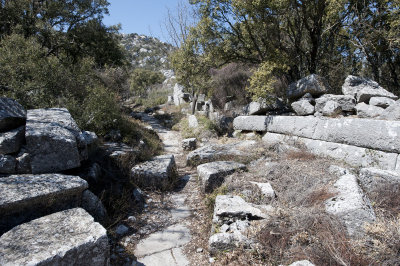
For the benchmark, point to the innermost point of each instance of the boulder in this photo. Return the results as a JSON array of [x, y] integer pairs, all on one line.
[[262, 106], [213, 174], [70, 237], [26, 197], [392, 112], [266, 190], [11, 141], [189, 144], [381, 102], [12, 114], [313, 84], [250, 123], [93, 205], [51, 138], [303, 107], [331, 108], [368, 111], [371, 178], [346, 102], [159, 173], [192, 121], [363, 89], [350, 205]]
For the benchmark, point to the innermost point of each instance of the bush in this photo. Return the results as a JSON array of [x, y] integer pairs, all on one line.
[[141, 79]]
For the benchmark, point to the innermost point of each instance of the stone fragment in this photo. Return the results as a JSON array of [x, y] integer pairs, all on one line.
[[346, 102], [51, 138], [192, 120], [93, 205], [23, 163], [331, 108], [303, 107], [302, 263], [8, 164], [11, 141], [313, 84], [121, 230], [266, 190], [350, 205], [26, 197], [250, 123], [213, 174], [189, 144], [70, 237], [227, 241], [12, 114], [392, 112], [368, 111], [371, 178], [262, 106], [382, 102], [159, 173]]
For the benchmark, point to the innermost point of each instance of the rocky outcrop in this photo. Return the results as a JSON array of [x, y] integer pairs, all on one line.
[[313, 84], [26, 197], [159, 173], [12, 114], [69, 237], [213, 174], [350, 205]]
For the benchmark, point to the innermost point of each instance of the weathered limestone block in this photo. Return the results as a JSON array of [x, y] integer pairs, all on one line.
[[350, 205], [368, 111], [313, 84], [355, 156], [189, 144], [8, 164], [371, 178], [303, 107], [266, 190], [346, 102], [262, 106], [250, 123], [51, 138], [213, 174], [26, 197], [331, 108], [293, 125], [93, 205], [159, 173], [70, 237], [12, 114], [381, 102], [11, 141], [227, 241], [192, 121], [392, 112]]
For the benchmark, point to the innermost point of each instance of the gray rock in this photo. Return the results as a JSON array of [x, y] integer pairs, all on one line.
[[266, 189], [51, 138], [371, 178], [302, 263], [93, 205], [350, 205], [338, 171], [8, 164], [303, 107], [227, 241], [363, 89], [26, 197], [262, 106], [293, 125], [11, 141], [368, 111], [12, 114], [392, 112], [212, 153], [313, 84], [381, 102], [23, 163], [121, 230], [331, 108], [250, 123], [69, 237], [138, 196], [213, 174], [159, 173], [189, 144], [192, 120], [346, 102], [179, 96], [118, 151]]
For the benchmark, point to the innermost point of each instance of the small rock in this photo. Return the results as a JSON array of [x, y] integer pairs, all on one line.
[[199, 250], [93, 205], [302, 263], [8, 164], [266, 190], [121, 230], [392, 112]]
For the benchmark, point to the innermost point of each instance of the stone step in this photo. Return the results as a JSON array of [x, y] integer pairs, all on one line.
[[69, 237], [27, 197]]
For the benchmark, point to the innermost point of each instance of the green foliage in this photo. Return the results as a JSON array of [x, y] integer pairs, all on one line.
[[205, 128], [142, 79]]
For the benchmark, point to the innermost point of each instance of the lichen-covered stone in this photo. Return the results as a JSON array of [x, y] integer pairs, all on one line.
[[12, 114], [11, 141], [69, 237], [372, 178]]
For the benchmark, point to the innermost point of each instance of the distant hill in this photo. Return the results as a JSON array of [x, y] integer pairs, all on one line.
[[147, 52]]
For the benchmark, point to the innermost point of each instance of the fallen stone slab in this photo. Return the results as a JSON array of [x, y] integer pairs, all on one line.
[[382, 102], [266, 189], [70, 237], [250, 123], [11, 141], [159, 173], [313, 84], [346, 102], [51, 138], [303, 107], [227, 241], [293, 125], [213, 174], [27, 197], [350, 205], [12, 114], [211, 153], [368, 111], [371, 178], [8, 164], [355, 156]]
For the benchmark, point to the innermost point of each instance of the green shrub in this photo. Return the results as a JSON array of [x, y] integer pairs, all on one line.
[[141, 79]]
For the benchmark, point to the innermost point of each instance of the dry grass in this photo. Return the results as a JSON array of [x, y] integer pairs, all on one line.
[[301, 155]]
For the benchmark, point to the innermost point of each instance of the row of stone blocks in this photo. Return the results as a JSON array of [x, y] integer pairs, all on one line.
[[41, 222], [360, 142]]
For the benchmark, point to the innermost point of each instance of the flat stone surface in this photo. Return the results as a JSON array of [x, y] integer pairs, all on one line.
[[192, 120], [350, 205], [212, 174], [51, 138], [12, 114], [226, 241], [69, 237], [11, 141], [159, 173], [250, 123], [293, 125], [173, 256], [26, 197]]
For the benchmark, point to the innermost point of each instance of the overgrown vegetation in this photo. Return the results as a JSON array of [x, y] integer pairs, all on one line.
[[205, 129]]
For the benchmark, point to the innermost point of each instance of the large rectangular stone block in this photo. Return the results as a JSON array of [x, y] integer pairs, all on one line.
[[69, 237], [250, 123], [26, 197], [293, 125]]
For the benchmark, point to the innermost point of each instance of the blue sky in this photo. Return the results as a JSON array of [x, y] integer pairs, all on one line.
[[140, 16]]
